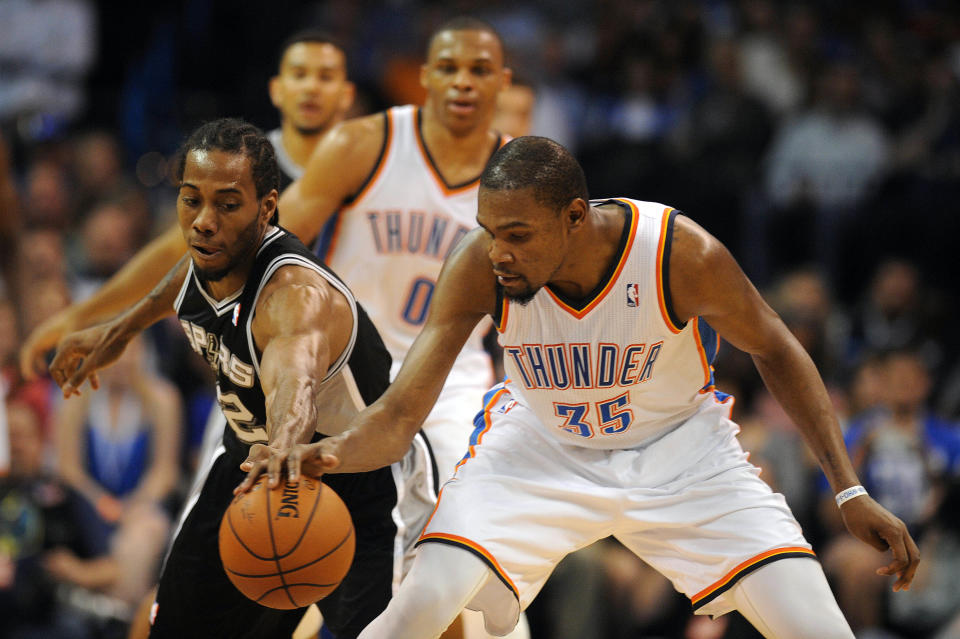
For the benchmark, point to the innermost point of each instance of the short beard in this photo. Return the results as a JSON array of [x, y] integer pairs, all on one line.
[[523, 298], [210, 275], [246, 245]]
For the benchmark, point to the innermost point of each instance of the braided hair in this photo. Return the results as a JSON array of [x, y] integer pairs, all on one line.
[[233, 135]]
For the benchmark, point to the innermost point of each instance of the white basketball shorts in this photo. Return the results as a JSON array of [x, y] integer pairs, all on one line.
[[688, 503]]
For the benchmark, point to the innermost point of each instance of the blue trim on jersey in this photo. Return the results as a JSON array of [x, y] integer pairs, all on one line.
[[720, 395], [710, 343], [322, 244], [478, 422], [708, 338]]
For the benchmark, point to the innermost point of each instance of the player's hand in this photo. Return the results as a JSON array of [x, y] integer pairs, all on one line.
[[261, 458], [317, 458], [80, 355], [870, 522], [41, 340]]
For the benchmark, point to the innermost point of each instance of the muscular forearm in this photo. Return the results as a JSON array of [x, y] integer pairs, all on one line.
[[793, 380], [380, 437], [292, 410]]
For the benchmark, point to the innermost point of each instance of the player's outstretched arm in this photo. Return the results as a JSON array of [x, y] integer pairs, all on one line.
[[339, 166], [706, 281], [381, 434], [300, 324], [136, 279], [80, 355]]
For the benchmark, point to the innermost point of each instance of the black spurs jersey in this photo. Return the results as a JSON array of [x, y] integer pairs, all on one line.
[[220, 331]]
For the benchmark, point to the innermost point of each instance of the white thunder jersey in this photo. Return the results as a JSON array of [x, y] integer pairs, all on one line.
[[615, 369], [390, 241]]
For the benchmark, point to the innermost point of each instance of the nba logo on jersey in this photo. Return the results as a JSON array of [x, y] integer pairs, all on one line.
[[236, 314], [633, 295]]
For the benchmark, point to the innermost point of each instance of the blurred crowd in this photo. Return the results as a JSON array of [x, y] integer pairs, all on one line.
[[819, 140]]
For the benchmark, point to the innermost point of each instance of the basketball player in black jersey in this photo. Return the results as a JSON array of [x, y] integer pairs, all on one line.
[[295, 356], [312, 94]]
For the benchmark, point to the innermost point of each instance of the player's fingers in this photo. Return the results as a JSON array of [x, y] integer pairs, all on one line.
[[329, 461], [94, 381], [31, 361], [293, 464], [256, 468], [905, 576], [901, 559], [79, 376], [274, 466]]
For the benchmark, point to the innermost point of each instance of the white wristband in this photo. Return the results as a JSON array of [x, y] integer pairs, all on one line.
[[848, 494]]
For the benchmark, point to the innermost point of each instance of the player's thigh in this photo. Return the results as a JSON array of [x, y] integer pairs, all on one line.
[[709, 533], [791, 599]]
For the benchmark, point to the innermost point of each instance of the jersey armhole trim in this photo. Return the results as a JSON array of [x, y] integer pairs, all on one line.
[[178, 301], [378, 165], [502, 311], [670, 318]]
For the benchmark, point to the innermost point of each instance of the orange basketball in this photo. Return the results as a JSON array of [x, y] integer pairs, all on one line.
[[287, 547]]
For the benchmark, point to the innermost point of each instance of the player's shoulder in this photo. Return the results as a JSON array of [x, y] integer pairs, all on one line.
[[366, 130]]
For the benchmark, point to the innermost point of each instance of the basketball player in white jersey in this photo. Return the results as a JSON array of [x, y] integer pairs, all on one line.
[[312, 94], [403, 184], [608, 423]]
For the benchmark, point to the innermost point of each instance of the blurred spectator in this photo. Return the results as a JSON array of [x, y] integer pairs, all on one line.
[[118, 447], [904, 456], [111, 234], [805, 303], [897, 312], [821, 169], [47, 49], [48, 199], [931, 608], [97, 168], [718, 145], [515, 106], [37, 518], [9, 222], [769, 72]]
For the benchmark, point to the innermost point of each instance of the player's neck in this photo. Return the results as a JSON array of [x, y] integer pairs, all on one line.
[[298, 145], [458, 157], [228, 284], [592, 250]]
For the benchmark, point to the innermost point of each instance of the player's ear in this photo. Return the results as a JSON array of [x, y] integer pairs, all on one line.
[[268, 205], [424, 70], [506, 78], [576, 213], [347, 97], [274, 88]]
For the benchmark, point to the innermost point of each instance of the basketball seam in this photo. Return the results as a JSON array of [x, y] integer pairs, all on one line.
[[273, 544], [236, 536], [301, 567], [306, 524]]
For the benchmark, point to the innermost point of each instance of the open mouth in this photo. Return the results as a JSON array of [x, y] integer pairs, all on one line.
[[462, 106], [205, 251]]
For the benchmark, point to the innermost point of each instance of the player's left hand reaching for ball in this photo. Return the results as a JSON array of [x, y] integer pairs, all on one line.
[[872, 523], [80, 355], [312, 459]]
